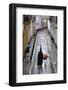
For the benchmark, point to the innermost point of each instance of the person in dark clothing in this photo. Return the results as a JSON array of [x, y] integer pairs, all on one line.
[[27, 48], [40, 57]]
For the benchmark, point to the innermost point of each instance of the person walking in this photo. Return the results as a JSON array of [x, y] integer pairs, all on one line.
[[27, 52], [40, 57]]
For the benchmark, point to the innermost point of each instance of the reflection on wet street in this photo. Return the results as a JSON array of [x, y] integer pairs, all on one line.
[[39, 32], [43, 39]]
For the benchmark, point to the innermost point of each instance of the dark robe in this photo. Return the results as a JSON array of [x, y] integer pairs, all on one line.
[[27, 48], [40, 58]]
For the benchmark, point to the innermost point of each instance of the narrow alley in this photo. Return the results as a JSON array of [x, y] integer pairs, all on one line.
[[44, 39]]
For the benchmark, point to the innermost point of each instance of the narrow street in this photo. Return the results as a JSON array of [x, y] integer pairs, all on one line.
[[44, 40], [40, 32]]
